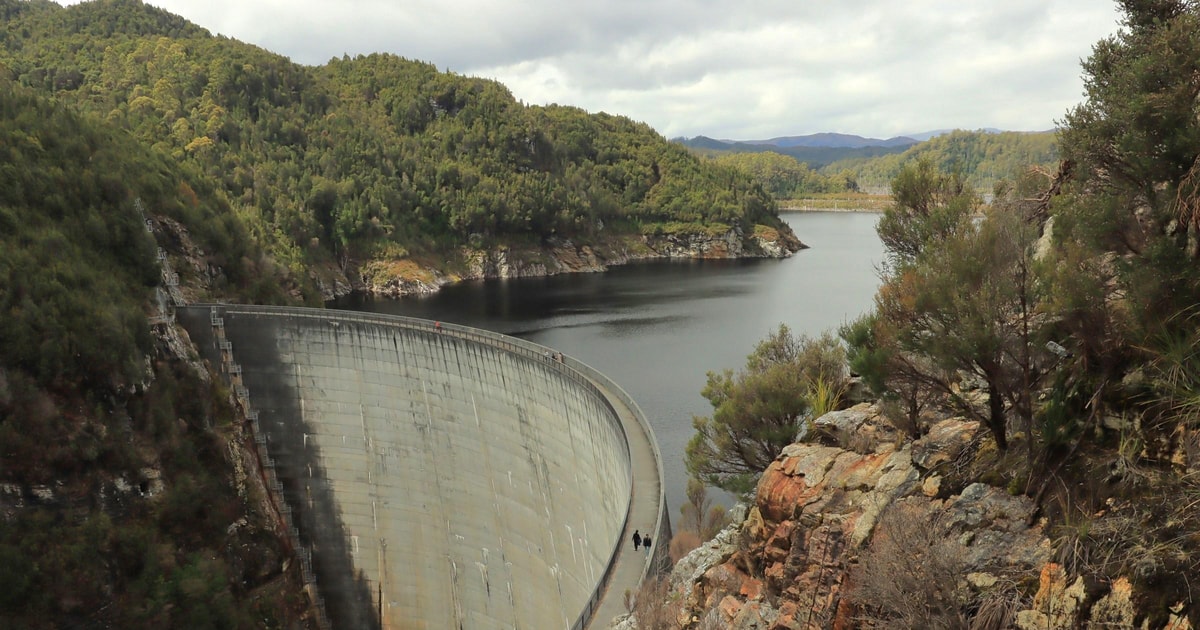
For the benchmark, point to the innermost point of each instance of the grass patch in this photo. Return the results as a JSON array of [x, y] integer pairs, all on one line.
[[381, 272], [766, 232]]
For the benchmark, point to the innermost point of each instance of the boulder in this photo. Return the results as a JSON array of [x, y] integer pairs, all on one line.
[[944, 442], [860, 428]]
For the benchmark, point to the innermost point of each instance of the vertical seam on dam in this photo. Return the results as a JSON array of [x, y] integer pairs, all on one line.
[[426, 467]]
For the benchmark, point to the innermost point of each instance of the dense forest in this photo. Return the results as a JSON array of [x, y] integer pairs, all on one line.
[[786, 178], [983, 158], [370, 156], [815, 156]]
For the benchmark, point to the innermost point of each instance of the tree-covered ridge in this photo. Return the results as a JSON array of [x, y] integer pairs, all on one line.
[[815, 156], [364, 154], [982, 158]]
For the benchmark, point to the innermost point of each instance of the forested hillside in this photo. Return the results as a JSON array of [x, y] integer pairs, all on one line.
[[369, 156], [786, 178], [982, 158], [119, 504], [816, 157]]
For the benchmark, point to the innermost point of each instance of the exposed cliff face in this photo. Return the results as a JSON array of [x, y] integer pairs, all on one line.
[[862, 532], [394, 278]]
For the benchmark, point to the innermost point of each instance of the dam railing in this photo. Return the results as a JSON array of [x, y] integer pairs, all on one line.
[[577, 371]]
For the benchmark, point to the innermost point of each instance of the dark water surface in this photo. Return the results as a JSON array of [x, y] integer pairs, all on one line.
[[657, 328]]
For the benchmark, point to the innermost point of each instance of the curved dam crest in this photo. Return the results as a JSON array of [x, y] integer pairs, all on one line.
[[443, 479]]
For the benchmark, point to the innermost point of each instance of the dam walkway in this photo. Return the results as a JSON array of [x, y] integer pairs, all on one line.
[[631, 567]]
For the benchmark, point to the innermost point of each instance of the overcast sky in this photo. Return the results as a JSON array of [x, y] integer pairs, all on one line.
[[740, 70]]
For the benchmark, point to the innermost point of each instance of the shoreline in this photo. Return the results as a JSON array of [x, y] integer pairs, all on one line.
[[802, 209], [833, 203], [400, 278]]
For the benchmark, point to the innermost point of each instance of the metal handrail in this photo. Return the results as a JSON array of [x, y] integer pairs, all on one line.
[[576, 370]]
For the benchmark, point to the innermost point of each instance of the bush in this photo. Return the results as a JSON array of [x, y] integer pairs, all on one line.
[[654, 608], [909, 576], [682, 543]]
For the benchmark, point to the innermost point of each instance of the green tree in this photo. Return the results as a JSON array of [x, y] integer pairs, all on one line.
[[1130, 223], [929, 206], [1137, 133], [761, 409], [967, 305], [906, 384], [959, 305], [1136, 143]]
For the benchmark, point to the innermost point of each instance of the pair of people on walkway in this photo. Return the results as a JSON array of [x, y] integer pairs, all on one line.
[[639, 540]]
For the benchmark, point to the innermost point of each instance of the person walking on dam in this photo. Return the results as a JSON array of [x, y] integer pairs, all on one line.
[[637, 540], [646, 543]]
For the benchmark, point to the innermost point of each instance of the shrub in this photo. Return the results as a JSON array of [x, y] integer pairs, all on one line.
[[908, 578], [682, 543]]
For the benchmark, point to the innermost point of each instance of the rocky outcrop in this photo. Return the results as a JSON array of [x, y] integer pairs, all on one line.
[[865, 514], [192, 263], [395, 278]]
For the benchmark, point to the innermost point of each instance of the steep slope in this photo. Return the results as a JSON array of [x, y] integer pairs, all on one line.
[[867, 528], [124, 496]]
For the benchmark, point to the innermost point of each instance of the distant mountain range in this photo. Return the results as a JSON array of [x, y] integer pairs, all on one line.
[[827, 139], [819, 149], [839, 140], [926, 135], [816, 150], [816, 140]]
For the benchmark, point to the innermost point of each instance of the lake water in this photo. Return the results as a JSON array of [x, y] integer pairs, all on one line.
[[657, 328]]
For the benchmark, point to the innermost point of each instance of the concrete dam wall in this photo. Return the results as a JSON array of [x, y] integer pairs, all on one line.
[[447, 478]]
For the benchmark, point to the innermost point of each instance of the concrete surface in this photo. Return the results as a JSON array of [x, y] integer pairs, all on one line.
[[452, 479]]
